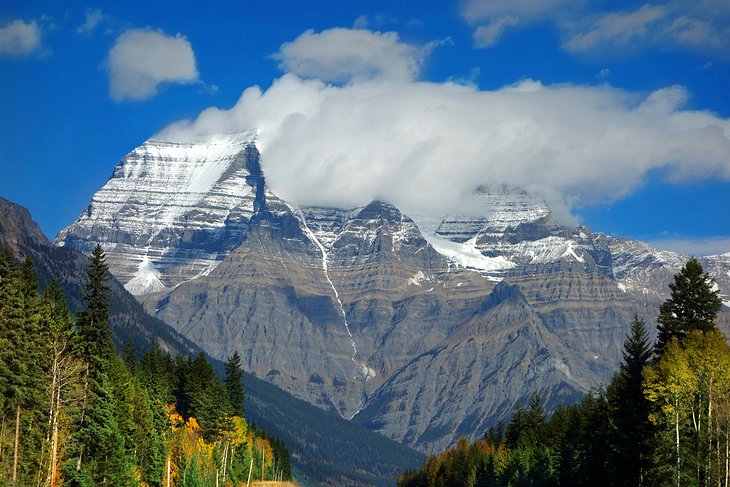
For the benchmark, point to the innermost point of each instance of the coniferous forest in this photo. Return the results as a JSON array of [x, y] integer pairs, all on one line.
[[75, 412], [663, 420]]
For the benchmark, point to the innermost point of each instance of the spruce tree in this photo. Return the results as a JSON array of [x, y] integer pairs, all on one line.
[[234, 384], [692, 305], [23, 376], [93, 322], [630, 428], [98, 450]]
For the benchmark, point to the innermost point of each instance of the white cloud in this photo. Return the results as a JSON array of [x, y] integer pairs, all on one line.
[[696, 25], [140, 60], [19, 38], [487, 35], [93, 17], [343, 55], [426, 146], [619, 29]]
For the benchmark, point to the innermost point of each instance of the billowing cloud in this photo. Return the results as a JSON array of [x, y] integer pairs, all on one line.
[[699, 25], [19, 38], [140, 60], [426, 146], [344, 55]]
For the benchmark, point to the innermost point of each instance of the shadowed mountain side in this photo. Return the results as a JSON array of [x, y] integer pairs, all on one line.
[[127, 318], [326, 449]]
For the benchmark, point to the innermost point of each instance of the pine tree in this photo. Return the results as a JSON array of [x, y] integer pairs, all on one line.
[[202, 395], [234, 384], [24, 374], [630, 428], [93, 322], [692, 305], [98, 447]]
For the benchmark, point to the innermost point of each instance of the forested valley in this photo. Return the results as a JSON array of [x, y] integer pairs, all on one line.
[[75, 412], [664, 419]]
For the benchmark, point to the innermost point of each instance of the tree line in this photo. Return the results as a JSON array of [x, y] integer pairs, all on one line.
[[664, 418], [75, 412]]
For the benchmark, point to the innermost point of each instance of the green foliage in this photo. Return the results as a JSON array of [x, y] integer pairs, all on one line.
[[630, 429], [689, 393], [692, 306], [202, 395], [88, 417], [93, 321], [234, 384], [568, 449]]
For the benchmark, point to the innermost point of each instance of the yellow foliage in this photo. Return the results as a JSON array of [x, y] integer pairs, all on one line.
[[191, 426], [240, 429]]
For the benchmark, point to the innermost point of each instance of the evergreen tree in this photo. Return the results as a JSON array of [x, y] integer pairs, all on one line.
[[158, 374], [93, 322], [23, 375], [630, 428], [202, 395], [692, 305], [234, 384], [99, 454]]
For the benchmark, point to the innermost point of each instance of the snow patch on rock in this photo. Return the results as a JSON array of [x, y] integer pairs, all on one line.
[[146, 280]]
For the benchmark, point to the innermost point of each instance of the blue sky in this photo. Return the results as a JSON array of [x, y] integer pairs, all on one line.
[[616, 111]]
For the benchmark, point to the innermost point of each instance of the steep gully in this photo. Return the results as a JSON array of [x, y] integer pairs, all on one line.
[[367, 372]]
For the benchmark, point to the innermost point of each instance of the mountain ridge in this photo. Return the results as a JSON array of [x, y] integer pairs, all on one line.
[[333, 304]]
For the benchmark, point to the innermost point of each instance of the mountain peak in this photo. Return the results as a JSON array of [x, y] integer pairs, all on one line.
[[177, 208]]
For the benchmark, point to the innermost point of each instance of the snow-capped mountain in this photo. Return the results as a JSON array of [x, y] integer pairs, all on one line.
[[424, 329], [171, 211]]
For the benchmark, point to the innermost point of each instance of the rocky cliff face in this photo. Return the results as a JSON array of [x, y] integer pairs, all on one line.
[[324, 303], [172, 211], [365, 312], [477, 375]]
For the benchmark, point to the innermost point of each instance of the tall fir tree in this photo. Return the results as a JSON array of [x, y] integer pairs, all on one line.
[[630, 429], [98, 451], [93, 322], [234, 384], [692, 305]]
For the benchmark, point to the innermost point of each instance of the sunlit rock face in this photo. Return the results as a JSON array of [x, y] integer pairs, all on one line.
[[424, 328], [171, 211]]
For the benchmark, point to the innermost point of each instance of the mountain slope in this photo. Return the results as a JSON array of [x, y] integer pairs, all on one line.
[[127, 318], [324, 447], [476, 376]]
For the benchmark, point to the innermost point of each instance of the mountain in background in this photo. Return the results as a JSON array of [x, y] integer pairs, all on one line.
[[326, 450], [423, 329]]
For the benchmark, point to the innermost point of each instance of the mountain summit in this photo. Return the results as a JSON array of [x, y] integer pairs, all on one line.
[[172, 211], [423, 331]]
